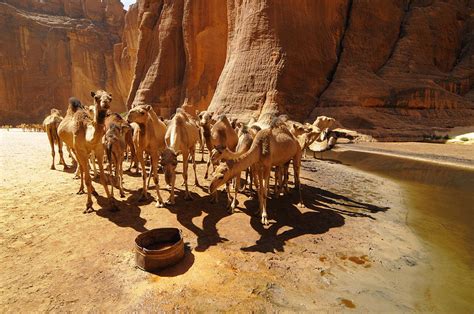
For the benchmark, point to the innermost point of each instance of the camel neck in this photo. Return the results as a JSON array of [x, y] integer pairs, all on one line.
[[99, 116], [246, 160]]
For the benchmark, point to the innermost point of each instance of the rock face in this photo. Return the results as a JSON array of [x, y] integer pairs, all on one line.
[[51, 50], [392, 68]]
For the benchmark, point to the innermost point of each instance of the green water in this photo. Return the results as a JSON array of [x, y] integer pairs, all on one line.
[[440, 203]]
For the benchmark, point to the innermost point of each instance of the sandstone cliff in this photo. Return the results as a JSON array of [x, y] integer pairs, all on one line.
[[389, 67], [51, 50]]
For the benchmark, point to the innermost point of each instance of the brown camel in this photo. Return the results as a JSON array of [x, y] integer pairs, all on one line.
[[222, 136], [275, 146], [114, 145], [181, 138], [206, 122], [148, 137], [51, 124], [243, 145], [87, 138]]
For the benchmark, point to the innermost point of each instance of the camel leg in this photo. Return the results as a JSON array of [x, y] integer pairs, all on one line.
[[154, 167], [208, 163], [193, 156], [234, 203], [119, 174], [103, 180], [60, 150], [150, 174], [51, 142], [187, 195], [92, 159], [81, 188], [296, 170], [83, 166], [142, 165], [260, 192], [264, 183], [111, 176]]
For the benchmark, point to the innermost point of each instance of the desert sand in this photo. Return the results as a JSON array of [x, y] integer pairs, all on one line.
[[348, 249]]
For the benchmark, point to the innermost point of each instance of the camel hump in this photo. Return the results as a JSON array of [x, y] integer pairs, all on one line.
[[223, 118]]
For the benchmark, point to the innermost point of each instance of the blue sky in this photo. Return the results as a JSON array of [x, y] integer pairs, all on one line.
[[127, 3]]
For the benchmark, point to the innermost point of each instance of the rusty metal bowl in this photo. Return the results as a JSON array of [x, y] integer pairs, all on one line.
[[158, 248]]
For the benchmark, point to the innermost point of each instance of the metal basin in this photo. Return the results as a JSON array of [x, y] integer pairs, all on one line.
[[159, 248]]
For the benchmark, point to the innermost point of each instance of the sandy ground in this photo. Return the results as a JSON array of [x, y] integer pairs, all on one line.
[[349, 249]]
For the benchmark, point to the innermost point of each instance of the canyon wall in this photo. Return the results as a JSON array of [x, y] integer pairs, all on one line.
[[52, 50], [394, 67], [389, 68]]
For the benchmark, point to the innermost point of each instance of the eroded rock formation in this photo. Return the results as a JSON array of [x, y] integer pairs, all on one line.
[[389, 68], [384, 67], [51, 50]]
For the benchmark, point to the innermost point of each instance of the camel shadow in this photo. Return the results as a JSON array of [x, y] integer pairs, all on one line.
[[186, 211], [128, 215], [318, 217]]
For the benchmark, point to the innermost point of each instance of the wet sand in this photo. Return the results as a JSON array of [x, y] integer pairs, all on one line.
[[349, 248]]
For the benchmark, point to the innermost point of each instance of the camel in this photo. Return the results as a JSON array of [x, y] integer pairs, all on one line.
[[274, 146], [148, 137], [115, 118], [205, 123], [114, 145], [243, 145], [181, 138], [50, 125], [87, 134], [222, 136], [65, 131]]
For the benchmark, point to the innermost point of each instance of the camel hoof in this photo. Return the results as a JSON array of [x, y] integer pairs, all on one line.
[[188, 198], [264, 220], [52, 167], [76, 177], [95, 193], [88, 210], [122, 195], [301, 205], [80, 192], [142, 198], [159, 204]]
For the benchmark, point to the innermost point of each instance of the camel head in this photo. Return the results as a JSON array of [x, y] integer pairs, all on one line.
[[205, 118], [169, 161], [102, 99], [55, 112], [221, 175], [139, 114]]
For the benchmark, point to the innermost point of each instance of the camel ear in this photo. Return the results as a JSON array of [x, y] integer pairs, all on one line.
[[148, 108], [93, 94]]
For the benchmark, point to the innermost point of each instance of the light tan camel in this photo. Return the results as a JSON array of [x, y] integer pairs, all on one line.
[[87, 138], [181, 138], [148, 137], [51, 124], [65, 132], [222, 136], [114, 145], [275, 146]]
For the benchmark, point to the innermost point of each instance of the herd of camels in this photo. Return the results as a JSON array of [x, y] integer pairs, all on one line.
[[94, 134]]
